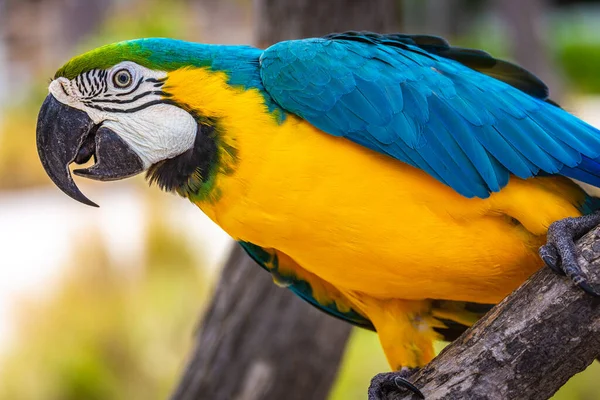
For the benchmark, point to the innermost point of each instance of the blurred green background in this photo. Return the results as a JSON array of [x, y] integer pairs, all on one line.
[[102, 304]]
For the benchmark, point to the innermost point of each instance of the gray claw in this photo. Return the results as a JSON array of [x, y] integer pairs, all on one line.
[[383, 384], [560, 253], [550, 256]]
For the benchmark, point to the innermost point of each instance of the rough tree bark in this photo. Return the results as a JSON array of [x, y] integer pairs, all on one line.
[[258, 341], [528, 346]]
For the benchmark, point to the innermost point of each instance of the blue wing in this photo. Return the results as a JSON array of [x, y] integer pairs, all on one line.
[[462, 116]]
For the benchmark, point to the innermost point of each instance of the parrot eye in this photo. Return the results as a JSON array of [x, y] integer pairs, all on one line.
[[122, 78]]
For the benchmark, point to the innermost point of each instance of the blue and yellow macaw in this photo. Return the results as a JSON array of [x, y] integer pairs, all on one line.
[[393, 181]]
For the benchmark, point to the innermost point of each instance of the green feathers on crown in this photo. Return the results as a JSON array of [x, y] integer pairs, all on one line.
[[105, 57], [162, 54]]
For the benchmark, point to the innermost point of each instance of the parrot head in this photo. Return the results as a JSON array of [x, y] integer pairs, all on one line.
[[112, 104]]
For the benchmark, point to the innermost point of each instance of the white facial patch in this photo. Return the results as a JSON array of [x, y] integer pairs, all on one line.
[[128, 99], [156, 133]]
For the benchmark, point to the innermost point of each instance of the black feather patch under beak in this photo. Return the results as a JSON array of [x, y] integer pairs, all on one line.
[[66, 135]]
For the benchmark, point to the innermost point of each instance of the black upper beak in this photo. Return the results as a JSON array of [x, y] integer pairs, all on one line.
[[66, 135]]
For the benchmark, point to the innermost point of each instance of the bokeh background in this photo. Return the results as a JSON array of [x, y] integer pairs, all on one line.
[[103, 303]]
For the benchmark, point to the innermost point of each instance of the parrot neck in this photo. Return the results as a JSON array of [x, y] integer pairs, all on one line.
[[191, 172], [227, 113]]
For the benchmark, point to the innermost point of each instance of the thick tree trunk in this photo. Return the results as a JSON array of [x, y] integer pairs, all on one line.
[[258, 341], [283, 20], [524, 21], [528, 346]]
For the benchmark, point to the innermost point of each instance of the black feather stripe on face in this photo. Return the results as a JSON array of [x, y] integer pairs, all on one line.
[[181, 173], [96, 94]]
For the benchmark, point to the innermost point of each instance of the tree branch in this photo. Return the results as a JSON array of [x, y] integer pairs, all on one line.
[[528, 346]]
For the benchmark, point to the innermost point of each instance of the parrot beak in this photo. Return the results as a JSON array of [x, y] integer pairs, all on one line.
[[66, 135]]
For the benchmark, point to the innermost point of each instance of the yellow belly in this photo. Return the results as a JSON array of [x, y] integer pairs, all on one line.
[[366, 222]]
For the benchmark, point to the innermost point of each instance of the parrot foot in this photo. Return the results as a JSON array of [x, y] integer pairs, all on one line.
[[384, 384], [560, 252]]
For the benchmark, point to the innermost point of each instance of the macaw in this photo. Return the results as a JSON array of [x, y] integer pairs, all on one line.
[[393, 181]]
